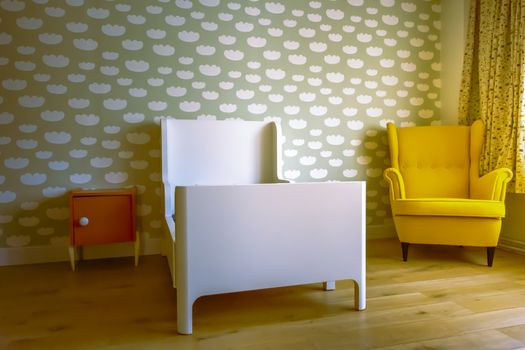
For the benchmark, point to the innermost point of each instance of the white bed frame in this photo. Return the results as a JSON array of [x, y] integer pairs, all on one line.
[[238, 226]]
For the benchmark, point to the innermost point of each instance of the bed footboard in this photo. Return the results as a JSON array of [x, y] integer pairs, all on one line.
[[246, 237]]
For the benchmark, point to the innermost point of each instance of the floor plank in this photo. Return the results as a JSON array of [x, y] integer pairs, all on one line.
[[441, 298]]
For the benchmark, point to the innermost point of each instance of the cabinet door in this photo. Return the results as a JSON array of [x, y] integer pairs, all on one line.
[[109, 219]]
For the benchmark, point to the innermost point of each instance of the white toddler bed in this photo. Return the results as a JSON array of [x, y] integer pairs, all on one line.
[[232, 224]]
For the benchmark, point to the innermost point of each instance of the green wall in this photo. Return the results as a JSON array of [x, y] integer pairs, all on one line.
[[84, 84]]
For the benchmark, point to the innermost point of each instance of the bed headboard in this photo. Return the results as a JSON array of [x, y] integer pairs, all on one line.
[[199, 152]]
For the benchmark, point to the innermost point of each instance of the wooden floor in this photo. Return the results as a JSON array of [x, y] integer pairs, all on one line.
[[442, 298]]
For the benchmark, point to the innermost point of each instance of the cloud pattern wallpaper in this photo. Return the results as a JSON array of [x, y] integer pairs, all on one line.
[[85, 83]]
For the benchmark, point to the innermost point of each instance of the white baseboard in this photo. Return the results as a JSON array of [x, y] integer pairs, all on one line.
[[512, 245], [59, 252]]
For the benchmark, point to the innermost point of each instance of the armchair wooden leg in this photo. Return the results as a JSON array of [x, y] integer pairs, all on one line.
[[490, 255], [404, 248]]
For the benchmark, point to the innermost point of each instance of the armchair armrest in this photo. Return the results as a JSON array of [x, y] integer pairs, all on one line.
[[397, 185], [492, 186]]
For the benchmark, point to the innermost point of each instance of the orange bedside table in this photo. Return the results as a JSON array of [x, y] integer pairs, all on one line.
[[102, 216]]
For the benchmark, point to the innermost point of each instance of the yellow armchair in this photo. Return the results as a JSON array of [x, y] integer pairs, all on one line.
[[436, 194]]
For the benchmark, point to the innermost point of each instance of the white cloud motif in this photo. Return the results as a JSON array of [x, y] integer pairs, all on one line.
[[209, 70], [189, 106], [29, 23], [116, 177], [390, 19], [14, 84], [31, 101], [374, 112], [136, 19], [188, 36], [318, 46], [275, 74], [85, 44], [292, 110], [374, 51], [58, 165], [297, 59], [87, 119], [138, 92], [99, 88], [335, 14], [350, 173], [318, 173], [6, 118], [210, 3], [364, 99], [157, 105], [138, 138], [101, 162], [57, 89], [335, 77], [318, 110], [227, 107], [137, 66], [227, 39], [7, 196], [389, 80], [274, 7], [12, 5], [234, 55], [256, 41], [55, 61], [60, 213], [57, 137], [156, 33], [332, 122], [335, 140], [426, 113], [298, 124], [33, 179], [244, 27], [176, 91], [5, 38], [164, 50], [77, 27], [115, 104], [257, 108], [132, 45], [113, 29], [80, 179], [52, 116], [332, 59], [16, 163], [408, 6], [307, 160], [307, 96], [50, 38], [53, 192], [78, 103], [97, 13], [210, 95], [355, 63], [175, 20], [21, 240], [245, 94]]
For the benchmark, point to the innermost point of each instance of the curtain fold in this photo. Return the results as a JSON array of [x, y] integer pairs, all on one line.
[[492, 87]]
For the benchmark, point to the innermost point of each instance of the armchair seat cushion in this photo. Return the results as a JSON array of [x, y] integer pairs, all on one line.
[[458, 207]]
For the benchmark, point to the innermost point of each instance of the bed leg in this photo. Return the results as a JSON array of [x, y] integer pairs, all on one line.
[[360, 295], [184, 312], [329, 285]]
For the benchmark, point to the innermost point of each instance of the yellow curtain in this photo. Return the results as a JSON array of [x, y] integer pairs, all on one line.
[[493, 84]]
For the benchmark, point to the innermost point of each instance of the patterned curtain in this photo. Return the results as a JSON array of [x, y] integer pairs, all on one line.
[[492, 88]]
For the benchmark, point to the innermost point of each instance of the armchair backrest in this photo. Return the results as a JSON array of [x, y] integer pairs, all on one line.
[[436, 161]]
